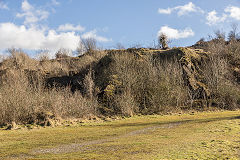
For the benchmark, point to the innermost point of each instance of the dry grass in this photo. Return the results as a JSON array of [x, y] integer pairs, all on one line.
[[206, 135]]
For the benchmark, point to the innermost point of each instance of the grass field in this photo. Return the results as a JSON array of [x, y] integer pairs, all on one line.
[[206, 135]]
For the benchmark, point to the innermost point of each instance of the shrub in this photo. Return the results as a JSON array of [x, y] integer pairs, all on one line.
[[21, 102], [163, 41], [24, 97], [219, 75], [152, 87]]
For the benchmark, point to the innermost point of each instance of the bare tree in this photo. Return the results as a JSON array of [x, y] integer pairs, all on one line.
[[80, 49], [220, 35], [119, 46], [88, 45], [233, 35], [89, 84], [43, 55]]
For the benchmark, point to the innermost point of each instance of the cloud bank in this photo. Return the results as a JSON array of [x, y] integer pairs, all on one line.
[[34, 39], [32, 35]]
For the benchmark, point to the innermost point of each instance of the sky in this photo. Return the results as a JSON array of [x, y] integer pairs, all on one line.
[[35, 25]]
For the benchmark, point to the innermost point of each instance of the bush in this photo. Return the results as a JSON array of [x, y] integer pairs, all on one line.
[[219, 73], [21, 102], [152, 87], [24, 97], [63, 53], [163, 41]]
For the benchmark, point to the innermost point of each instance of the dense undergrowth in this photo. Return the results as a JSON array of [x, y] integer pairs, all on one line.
[[119, 82]]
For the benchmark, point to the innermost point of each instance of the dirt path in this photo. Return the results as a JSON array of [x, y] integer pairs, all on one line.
[[74, 147]]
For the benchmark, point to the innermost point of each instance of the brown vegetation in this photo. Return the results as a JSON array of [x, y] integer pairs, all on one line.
[[119, 82]]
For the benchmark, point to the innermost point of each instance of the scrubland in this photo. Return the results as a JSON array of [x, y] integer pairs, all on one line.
[[146, 84], [125, 82]]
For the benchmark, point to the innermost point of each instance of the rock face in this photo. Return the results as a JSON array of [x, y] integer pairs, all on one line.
[[106, 81], [189, 59]]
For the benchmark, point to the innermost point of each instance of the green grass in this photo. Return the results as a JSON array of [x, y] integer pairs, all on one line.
[[206, 135]]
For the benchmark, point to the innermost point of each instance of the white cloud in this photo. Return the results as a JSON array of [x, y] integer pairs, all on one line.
[[34, 39], [165, 11], [233, 11], [70, 27], [33, 36], [230, 12], [190, 7], [213, 19], [26, 6], [172, 33], [32, 15], [3, 6], [93, 34], [182, 10]]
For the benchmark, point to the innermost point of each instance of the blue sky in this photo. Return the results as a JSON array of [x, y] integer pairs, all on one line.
[[54, 24]]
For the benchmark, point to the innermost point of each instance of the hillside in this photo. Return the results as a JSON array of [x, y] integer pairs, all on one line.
[[122, 82]]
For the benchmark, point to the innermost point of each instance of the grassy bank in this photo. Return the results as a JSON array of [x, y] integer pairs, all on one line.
[[206, 135]]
